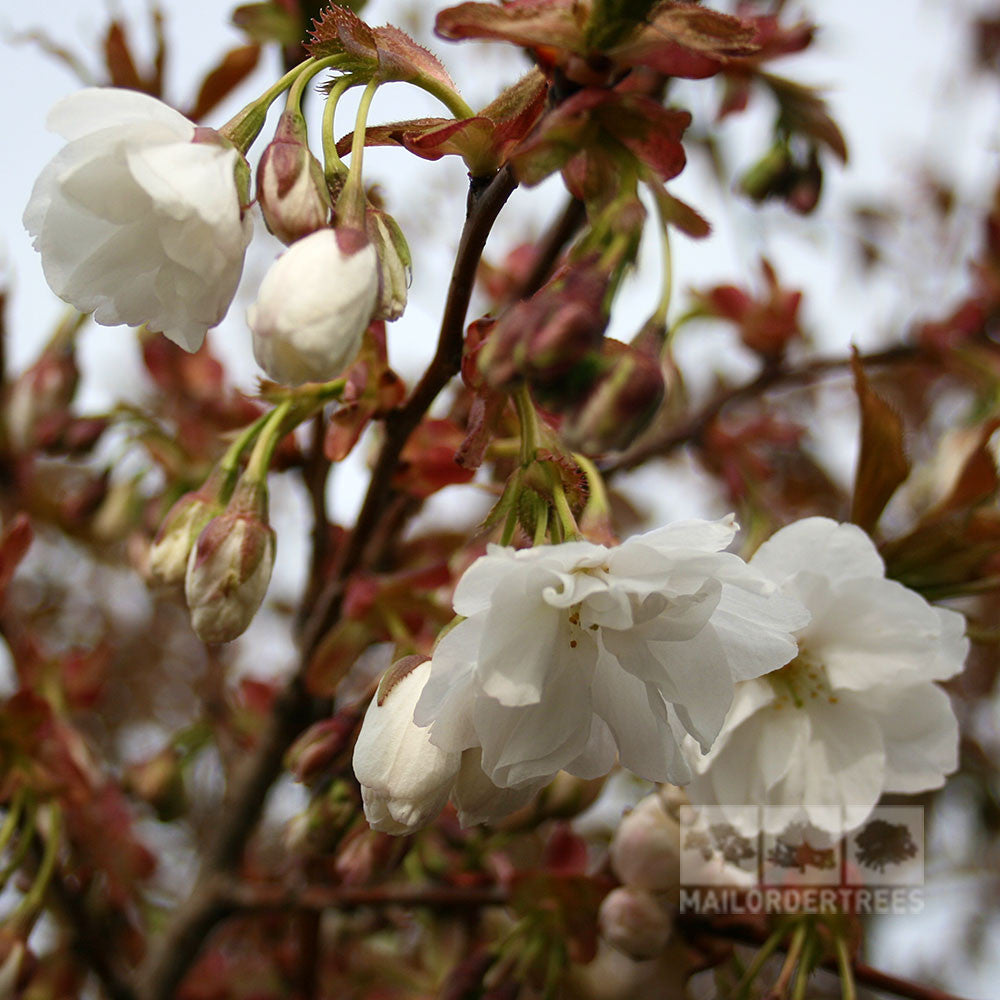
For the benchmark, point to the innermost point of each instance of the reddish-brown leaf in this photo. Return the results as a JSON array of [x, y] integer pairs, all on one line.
[[428, 462], [339, 31], [14, 544], [882, 461], [401, 58], [234, 67], [556, 23], [122, 70]]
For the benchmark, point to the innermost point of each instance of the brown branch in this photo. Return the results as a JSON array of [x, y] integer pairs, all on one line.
[[693, 430], [484, 207], [295, 708], [92, 940], [317, 899]]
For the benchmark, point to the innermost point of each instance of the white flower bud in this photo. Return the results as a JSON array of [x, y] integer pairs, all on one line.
[[634, 922], [314, 305], [228, 572], [405, 779], [645, 851]]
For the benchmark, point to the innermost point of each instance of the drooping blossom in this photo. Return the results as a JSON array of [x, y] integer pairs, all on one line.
[[406, 780], [139, 219], [314, 306], [856, 713], [573, 654]]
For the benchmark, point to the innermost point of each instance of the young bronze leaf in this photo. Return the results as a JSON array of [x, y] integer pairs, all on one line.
[[234, 67], [882, 461], [401, 58], [339, 31], [524, 22]]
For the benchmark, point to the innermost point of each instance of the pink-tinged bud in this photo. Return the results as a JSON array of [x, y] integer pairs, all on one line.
[[314, 306], [634, 922], [37, 410], [315, 752], [394, 263], [291, 188], [169, 553], [646, 848], [543, 338], [405, 779], [620, 405], [229, 568]]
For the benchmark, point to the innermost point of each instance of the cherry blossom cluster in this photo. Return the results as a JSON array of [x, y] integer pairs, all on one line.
[[143, 218], [801, 678]]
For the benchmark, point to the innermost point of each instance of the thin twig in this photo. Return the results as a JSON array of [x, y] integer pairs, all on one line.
[[316, 899], [693, 430]]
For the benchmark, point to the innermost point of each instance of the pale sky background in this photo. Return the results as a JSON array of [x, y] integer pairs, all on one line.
[[895, 79]]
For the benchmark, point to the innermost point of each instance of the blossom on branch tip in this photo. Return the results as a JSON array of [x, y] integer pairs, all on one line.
[[314, 306], [570, 655], [856, 713], [139, 219]]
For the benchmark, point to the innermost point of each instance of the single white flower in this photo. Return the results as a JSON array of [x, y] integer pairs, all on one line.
[[135, 220], [314, 306], [572, 653], [856, 713], [405, 779]]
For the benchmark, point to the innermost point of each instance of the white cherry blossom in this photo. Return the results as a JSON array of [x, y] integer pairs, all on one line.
[[573, 654], [135, 220], [856, 713], [405, 779]]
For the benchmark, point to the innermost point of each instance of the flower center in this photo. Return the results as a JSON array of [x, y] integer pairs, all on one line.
[[801, 681]]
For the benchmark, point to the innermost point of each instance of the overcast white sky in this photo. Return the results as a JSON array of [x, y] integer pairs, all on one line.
[[894, 72]]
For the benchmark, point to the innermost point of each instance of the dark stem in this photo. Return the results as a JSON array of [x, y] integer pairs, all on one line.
[[484, 207], [296, 708], [92, 940]]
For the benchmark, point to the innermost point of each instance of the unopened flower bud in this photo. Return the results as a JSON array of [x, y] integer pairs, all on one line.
[[313, 754], [291, 187], [620, 405], [634, 922], [169, 553], [394, 261], [646, 848], [314, 306], [37, 409], [229, 568], [548, 335], [405, 779]]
